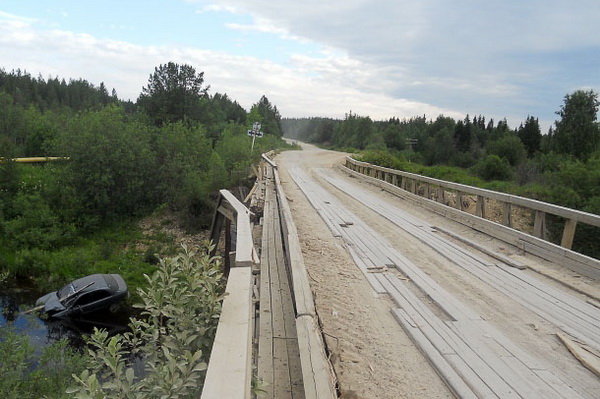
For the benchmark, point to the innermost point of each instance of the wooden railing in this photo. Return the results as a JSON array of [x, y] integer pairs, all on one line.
[[460, 197], [317, 372], [229, 373]]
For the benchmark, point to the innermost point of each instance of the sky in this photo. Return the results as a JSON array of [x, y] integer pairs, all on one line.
[[378, 58]]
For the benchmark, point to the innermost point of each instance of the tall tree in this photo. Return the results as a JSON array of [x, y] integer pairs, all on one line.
[[269, 117], [530, 135], [173, 93], [577, 132]]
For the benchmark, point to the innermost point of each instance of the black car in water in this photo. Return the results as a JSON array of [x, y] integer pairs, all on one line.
[[85, 295]]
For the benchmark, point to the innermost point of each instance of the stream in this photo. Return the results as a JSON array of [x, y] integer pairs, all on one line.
[[43, 332]]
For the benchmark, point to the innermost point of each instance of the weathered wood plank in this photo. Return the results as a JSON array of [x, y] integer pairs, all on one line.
[[454, 381], [229, 372], [318, 377]]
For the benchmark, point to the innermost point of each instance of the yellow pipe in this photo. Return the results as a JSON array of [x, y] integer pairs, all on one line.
[[36, 159]]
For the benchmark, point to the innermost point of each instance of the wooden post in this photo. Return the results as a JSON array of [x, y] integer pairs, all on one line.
[[539, 226], [426, 194], [480, 207], [568, 233], [441, 195], [395, 180], [459, 196], [507, 214], [403, 183]]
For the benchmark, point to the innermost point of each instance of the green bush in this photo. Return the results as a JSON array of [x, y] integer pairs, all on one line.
[[25, 374], [493, 167], [180, 311]]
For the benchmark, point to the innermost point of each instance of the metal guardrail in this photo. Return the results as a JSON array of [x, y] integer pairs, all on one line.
[[438, 191], [229, 373]]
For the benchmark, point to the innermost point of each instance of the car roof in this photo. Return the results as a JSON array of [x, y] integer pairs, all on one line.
[[93, 282]]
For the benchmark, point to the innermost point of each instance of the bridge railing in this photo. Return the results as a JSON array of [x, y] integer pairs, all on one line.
[[229, 373], [459, 196], [317, 372]]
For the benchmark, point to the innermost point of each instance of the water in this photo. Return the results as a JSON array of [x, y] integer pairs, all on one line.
[[43, 332]]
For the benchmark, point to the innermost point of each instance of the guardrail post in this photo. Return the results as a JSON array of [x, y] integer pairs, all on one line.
[[480, 207], [507, 214], [568, 233], [459, 200], [441, 195], [539, 225]]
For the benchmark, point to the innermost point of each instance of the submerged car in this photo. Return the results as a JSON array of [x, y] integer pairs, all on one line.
[[85, 295]]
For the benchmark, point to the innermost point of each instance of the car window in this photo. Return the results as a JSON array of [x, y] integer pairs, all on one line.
[[90, 297], [65, 291]]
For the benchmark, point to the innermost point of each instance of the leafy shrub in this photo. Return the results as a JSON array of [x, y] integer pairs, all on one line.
[[509, 147], [180, 314], [493, 167], [25, 374]]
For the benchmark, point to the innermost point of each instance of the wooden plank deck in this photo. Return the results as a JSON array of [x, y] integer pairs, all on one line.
[[278, 363], [474, 358], [573, 315]]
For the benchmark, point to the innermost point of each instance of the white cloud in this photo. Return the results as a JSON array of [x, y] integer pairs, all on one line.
[[379, 58], [330, 85]]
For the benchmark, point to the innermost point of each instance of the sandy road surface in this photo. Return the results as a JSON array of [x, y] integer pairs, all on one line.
[[371, 354]]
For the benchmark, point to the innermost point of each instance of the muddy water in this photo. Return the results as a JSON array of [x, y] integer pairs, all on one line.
[[42, 331]]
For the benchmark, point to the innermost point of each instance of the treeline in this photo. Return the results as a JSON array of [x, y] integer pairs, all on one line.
[[54, 93], [562, 166], [172, 148]]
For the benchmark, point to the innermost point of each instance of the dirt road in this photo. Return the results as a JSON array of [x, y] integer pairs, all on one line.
[[372, 355]]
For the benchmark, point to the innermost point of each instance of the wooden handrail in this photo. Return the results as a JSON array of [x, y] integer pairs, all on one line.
[[229, 373], [541, 209], [405, 184]]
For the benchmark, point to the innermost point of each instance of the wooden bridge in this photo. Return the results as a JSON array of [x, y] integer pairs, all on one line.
[[269, 341]]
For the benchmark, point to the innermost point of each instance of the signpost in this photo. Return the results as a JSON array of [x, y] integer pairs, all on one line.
[[255, 132]]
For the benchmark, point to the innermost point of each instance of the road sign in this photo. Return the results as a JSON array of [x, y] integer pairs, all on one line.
[[254, 133]]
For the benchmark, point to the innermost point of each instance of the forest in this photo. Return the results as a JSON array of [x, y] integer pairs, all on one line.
[[172, 148], [561, 166], [120, 163]]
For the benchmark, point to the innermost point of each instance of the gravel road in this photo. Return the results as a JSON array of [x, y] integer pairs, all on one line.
[[372, 355]]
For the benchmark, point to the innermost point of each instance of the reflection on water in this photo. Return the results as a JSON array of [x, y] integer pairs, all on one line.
[[43, 332]]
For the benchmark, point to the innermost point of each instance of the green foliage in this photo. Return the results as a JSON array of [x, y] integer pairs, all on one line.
[[111, 164], [32, 224], [577, 133], [234, 151], [382, 158], [493, 167], [173, 94], [530, 135], [267, 115], [54, 93], [180, 314], [357, 132], [27, 375], [509, 147]]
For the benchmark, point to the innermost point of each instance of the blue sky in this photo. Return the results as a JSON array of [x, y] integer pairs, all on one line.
[[378, 58]]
